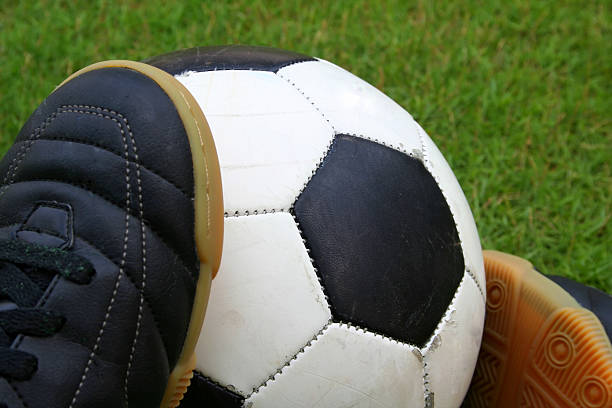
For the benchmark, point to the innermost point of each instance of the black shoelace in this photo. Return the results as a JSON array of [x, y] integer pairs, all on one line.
[[25, 271]]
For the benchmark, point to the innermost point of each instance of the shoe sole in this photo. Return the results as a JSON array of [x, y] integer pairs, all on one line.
[[540, 347], [208, 205]]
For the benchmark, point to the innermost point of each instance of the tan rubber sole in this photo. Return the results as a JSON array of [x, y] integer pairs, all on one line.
[[540, 347], [208, 204]]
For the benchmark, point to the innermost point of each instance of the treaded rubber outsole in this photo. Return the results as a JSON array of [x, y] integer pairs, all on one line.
[[181, 386], [208, 206], [540, 347]]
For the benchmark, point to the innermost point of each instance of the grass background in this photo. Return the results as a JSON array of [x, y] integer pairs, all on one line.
[[517, 94]]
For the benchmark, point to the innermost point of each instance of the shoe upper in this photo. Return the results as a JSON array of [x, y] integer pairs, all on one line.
[[98, 183]]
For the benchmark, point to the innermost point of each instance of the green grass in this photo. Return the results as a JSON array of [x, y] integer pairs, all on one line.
[[516, 94]]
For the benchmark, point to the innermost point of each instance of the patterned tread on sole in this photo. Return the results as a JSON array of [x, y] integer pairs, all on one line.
[[533, 397], [571, 361], [540, 348], [502, 292], [181, 389], [484, 380]]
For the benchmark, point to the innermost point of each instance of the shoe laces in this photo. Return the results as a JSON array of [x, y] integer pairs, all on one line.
[[26, 269]]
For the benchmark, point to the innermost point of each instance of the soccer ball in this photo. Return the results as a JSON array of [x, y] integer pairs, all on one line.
[[352, 272]]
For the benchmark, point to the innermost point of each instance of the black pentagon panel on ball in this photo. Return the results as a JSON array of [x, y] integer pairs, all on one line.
[[204, 393], [229, 57], [382, 238]]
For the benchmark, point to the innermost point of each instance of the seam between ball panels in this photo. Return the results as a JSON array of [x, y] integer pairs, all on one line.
[[429, 394], [416, 155], [413, 349], [471, 275], [313, 264], [305, 246], [297, 88], [250, 213], [295, 61], [445, 317], [375, 334], [320, 163], [197, 373], [279, 370], [332, 139], [428, 166]]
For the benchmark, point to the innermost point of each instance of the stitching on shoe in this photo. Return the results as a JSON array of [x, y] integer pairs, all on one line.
[[42, 231], [25, 148], [110, 201], [107, 256], [67, 239], [146, 300], [201, 136], [55, 281], [144, 263], [114, 152], [121, 265]]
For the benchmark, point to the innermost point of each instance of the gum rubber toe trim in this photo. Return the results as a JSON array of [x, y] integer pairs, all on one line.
[[208, 206], [540, 347]]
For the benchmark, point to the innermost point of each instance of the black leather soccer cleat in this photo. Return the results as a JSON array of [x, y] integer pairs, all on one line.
[[111, 222]]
